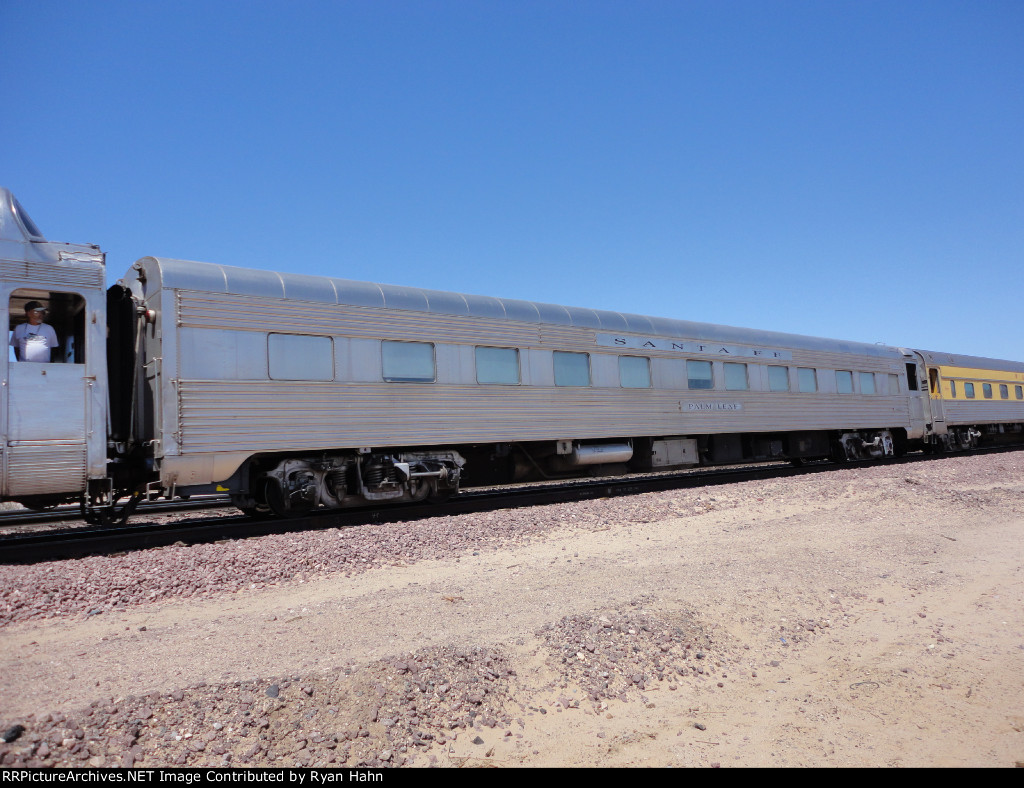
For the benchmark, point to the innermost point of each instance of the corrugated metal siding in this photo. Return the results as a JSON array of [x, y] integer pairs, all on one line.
[[260, 416], [834, 361], [45, 469], [201, 310], [239, 312], [983, 411], [207, 277], [77, 275]]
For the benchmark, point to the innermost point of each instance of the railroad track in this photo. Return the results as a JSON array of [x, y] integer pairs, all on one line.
[[72, 511], [78, 542]]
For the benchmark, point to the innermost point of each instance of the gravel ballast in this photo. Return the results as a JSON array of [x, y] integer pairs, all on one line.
[[725, 618]]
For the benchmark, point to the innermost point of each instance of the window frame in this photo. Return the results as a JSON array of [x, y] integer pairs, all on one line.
[[986, 390], [554, 364], [402, 379], [690, 379], [67, 311], [912, 377], [650, 382], [746, 375], [849, 378], [969, 390], [813, 380], [771, 385], [476, 366], [276, 337]]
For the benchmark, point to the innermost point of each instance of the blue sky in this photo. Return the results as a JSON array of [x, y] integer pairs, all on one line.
[[842, 169]]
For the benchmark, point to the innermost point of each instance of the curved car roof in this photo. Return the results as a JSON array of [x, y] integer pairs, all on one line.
[[971, 362], [191, 275]]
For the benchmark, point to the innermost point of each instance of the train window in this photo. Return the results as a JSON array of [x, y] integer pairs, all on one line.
[[952, 388], [987, 390], [408, 362], [571, 369], [736, 377], [912, 377], [1004, 392], [1018, 392], [634, 372], [969, 390], [778, 378], [46, 326], [26, 220], [808, 379], [698, 375], [867, 382], [894, 384], [296, 357], [497, 365], [844, 381]]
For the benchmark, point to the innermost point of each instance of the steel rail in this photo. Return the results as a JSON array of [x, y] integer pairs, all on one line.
[[73, 511], [95, 540]]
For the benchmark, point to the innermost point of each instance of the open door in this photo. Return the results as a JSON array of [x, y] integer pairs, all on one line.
[[935, 395], [47, 395]]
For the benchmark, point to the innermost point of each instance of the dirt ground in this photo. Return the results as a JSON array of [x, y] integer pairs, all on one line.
[[871, 618]]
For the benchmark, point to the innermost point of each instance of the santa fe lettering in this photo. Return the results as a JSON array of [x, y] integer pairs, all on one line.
[[644, 343]]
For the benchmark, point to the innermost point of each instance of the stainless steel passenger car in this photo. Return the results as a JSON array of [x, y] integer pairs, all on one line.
[[293, 392], [296, 392]]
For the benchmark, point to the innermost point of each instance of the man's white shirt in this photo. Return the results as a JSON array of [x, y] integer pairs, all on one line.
[[34, 342]]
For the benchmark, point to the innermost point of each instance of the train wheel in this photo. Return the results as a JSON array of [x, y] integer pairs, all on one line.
[[250, 508], [274, 496]]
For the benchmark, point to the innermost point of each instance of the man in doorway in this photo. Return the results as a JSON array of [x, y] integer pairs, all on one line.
[[34, 340]]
